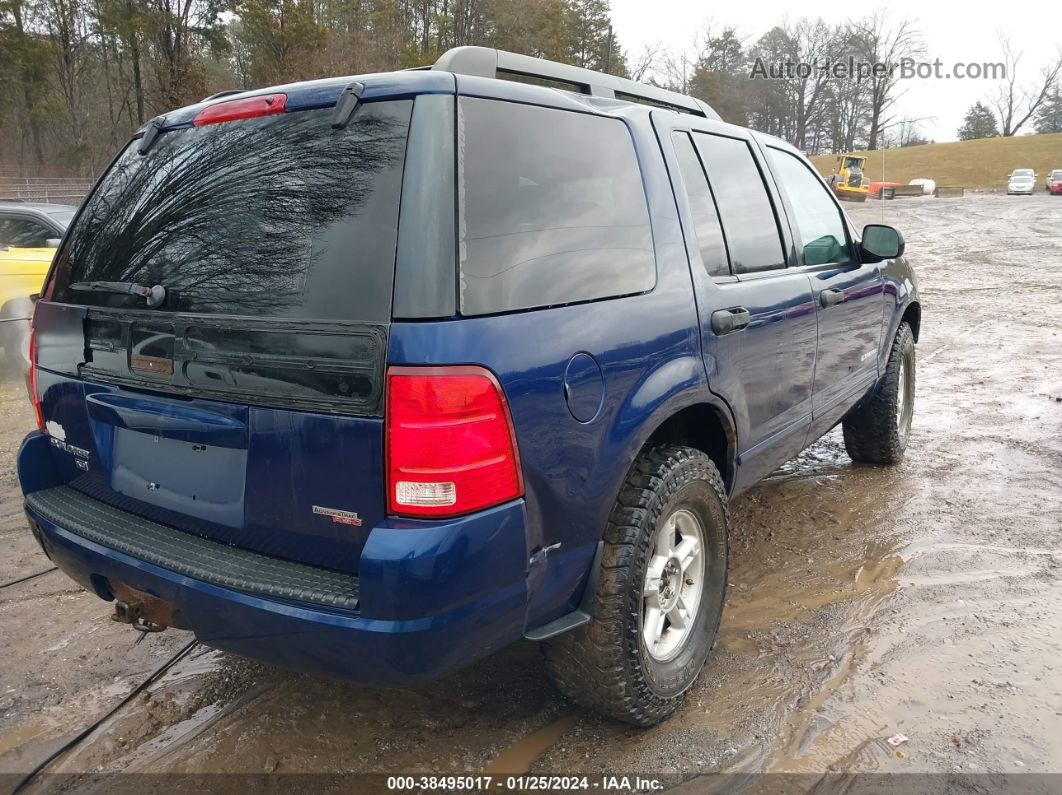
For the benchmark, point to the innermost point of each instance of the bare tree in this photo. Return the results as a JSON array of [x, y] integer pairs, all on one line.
[[886, 45], [29, 78], [811, 42], [643, 65], [847, 103], [675, 69], [909, 132], [67, 26], [1016, 103]]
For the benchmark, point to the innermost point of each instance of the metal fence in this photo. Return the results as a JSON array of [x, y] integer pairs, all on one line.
[[61, 190]]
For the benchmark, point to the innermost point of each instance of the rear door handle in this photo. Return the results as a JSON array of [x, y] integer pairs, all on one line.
[[726, 320], [831, 297]]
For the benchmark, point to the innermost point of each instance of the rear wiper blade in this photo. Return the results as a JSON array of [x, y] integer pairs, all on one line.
[[154, 296]]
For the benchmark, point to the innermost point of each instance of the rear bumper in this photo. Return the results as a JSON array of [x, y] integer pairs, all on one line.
[[428, 604]]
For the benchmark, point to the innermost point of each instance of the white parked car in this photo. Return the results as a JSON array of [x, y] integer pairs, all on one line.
[[1021, 180]]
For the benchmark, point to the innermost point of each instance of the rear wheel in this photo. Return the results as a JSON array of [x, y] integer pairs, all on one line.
[[660, 593], [876, 432]]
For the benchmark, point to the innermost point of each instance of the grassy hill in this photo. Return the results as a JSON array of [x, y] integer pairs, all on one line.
[[984, 163]]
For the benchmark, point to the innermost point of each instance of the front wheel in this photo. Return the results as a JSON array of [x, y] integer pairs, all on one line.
[[877, 430], [660, 592]]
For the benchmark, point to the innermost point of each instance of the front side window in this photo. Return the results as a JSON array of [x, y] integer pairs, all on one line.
[[553, 210], [744, 204], [706, 229], [821, 226], [23, 233]]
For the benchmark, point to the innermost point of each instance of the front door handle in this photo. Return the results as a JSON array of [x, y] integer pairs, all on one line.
[[831, 297], [734, 319]]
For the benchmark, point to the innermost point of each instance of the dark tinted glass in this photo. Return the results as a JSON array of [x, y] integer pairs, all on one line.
[[706, 227], [24, 233], [818, 220], [425, 274], [751, 228], [553, 208], [280, 216]]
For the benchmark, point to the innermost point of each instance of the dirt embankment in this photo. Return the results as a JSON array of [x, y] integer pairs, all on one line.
[[983, 164]]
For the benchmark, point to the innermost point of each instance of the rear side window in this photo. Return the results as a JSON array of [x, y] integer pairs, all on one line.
[[553, 208], [748, 217], [819, 221], [706, 229], [280, 216]]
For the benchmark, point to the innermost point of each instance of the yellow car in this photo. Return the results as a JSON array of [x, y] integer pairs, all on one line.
[[22, 272], [29, 234]]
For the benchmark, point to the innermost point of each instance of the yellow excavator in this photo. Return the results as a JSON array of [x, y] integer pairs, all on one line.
[[848, 179]]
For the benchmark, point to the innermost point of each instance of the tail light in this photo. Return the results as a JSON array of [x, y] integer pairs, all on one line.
[[31, 378], [451, 449]]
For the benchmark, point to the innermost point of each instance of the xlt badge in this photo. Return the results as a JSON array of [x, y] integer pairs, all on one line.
[[338, 516]]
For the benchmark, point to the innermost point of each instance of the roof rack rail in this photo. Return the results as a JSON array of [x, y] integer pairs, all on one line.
[[226, 93], [487, 62]]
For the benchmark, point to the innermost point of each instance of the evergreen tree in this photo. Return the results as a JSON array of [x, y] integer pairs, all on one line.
[[1049, 117], [721, 77], [78, 77], [281, 40], [979, 122]]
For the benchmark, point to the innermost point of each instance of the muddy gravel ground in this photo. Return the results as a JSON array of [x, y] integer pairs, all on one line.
[[923, 599]]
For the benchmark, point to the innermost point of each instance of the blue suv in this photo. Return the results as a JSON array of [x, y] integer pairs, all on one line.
[[371, 377]]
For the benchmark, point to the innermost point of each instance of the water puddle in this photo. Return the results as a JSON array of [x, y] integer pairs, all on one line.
[[521, 755], [14, 738]]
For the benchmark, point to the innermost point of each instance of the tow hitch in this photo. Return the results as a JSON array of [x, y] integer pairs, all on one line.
[[142, 611]]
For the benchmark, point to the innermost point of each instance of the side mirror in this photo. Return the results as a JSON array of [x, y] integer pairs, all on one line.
[[53, 242], [880, 242]]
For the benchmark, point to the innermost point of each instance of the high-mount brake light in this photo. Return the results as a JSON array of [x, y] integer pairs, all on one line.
[[451, 448], [237, 109]]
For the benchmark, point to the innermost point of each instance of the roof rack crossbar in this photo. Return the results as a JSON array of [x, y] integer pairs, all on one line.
[[487, 62]]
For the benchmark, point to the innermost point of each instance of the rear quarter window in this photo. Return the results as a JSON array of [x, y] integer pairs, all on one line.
[[553, 210]]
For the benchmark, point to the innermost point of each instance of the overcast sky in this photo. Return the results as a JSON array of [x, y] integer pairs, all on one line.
[[952, 31]]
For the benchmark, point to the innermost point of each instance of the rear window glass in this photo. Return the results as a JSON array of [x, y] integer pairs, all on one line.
[[279, 216], [553, 208]]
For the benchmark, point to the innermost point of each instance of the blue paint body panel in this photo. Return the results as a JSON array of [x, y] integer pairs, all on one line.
[[587, 385]]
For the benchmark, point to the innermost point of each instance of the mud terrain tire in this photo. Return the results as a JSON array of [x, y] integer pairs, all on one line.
[[606, 664], [877, 430]]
